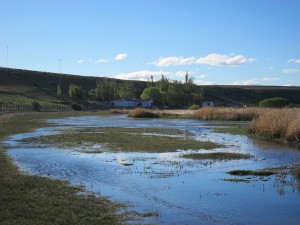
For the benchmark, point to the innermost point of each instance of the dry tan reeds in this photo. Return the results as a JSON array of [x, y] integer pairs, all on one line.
[[142, 113], [278, 124], [225, 113]]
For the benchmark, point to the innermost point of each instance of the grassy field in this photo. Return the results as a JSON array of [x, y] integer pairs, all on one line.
[[126, 140], [33, 200]]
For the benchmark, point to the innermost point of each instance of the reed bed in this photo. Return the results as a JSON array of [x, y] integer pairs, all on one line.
[[278, 124], [142, 113], [225, 113]]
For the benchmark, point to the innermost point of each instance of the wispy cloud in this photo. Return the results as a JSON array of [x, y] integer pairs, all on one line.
[[294, 60], [183, 73], [81, 61], [210, 59], [121, 56], [291, 70], [101, 61], [270, 79], [142, 75], [203, 76], [247, 82], [201, 82]]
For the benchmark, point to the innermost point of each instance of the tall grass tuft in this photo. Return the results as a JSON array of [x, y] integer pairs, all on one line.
[[142, 113], [278, 124], [225, 113]]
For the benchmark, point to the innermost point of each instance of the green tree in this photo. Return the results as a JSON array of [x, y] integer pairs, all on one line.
[[176, 96], [126, 90], [153, 93], [75, 92], [163, 84], [274, 102], [106, 90]]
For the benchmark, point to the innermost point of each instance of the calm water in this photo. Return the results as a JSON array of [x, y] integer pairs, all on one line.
[[181, 191]]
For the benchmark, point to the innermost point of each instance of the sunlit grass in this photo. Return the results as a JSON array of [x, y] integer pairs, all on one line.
[[126, 139]]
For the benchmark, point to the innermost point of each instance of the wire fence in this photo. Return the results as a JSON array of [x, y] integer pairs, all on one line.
[[6, 107]]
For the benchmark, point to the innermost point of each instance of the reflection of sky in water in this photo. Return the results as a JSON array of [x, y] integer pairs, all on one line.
[[182, 191]]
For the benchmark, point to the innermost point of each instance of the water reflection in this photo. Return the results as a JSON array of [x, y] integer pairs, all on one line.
[[182, 191]]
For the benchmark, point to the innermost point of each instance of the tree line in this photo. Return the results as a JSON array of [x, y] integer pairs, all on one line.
[[164, 92]]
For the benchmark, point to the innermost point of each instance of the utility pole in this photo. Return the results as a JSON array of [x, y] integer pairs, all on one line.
[[7, 56], [60, 71]]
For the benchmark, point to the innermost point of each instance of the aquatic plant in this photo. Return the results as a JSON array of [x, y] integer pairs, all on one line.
[[252, 172], [216, 156]]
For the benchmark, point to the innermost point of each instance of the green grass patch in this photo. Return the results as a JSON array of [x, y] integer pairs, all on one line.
[[236, 130], [252, 172], [126, 139], [216, 156]]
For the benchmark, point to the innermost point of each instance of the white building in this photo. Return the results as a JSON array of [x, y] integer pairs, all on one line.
[[131, 103]]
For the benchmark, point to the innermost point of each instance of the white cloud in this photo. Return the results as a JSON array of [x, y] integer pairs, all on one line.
[[174, 61], [81, 61], [203, 76], [201, 82], [288, 85], [247, 82], [183, 73], [291, 70], [210, 59], [143, 75], [270, 79], [101, 61], [121, 57], [294, 60], [217, 59]]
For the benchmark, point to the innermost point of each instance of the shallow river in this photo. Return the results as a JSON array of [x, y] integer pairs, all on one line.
[[180, 191]]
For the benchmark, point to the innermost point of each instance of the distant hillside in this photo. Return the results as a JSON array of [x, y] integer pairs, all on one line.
[[249, 95], [25, 85], [43, 85]]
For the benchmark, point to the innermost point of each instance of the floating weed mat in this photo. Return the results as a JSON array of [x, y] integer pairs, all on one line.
[[216, 156], [127, 139], [252, 172]]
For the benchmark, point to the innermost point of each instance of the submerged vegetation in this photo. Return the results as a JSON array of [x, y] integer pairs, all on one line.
[[217, 156], [126, 140]]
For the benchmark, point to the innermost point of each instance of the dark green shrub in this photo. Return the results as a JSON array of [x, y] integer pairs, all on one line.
[[36, 106], [194, 107], [274, 102], [76, 106]]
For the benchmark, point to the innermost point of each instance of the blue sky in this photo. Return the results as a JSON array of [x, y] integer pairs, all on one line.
[[242, 42]]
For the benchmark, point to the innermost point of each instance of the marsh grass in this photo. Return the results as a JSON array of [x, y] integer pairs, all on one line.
[[126, 139], [280, 124], [239, 130], [26, 199], [216, 156], [142, 113], [225, 113]]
